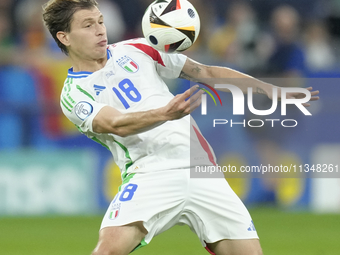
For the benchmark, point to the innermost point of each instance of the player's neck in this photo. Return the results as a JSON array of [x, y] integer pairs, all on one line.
[[88, 65]]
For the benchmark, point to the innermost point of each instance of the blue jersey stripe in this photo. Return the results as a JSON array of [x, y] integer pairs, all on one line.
[[109, 54], [72, 76]]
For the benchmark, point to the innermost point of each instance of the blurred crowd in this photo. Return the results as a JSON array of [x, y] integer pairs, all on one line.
[[276, 38]]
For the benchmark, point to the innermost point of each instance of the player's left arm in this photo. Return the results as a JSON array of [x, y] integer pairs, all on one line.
[[197, 72]]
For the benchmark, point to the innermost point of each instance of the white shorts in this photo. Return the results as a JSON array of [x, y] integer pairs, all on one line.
[[166, 198]]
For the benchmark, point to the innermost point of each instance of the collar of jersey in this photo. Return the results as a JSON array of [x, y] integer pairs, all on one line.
[[79, 75]]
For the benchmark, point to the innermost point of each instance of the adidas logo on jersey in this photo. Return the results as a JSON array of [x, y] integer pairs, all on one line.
[[251, 227], [98, 89]]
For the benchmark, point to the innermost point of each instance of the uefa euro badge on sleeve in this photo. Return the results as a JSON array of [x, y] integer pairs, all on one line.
[[83, 110]]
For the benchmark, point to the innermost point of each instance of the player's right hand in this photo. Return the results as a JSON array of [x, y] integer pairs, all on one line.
[[183, 104]]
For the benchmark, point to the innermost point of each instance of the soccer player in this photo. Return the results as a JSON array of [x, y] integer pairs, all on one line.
[[115, 95]]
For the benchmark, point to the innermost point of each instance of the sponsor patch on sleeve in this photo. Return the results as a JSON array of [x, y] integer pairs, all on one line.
[[83, 110]]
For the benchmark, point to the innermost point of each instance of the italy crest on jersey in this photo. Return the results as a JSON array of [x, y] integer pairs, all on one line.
[[114, 213], [128, 64]]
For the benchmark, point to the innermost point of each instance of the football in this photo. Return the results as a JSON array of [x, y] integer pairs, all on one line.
[[171, 25]]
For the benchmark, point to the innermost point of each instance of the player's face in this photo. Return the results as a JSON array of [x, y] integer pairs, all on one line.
[[87, 38]]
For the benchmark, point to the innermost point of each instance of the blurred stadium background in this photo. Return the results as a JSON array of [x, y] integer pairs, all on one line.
[[55, 184]]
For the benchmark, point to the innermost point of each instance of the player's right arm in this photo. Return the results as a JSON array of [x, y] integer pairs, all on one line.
[[110, 120]]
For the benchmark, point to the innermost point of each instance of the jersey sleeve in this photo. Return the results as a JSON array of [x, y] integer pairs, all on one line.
[[173, 65], [80, 108]]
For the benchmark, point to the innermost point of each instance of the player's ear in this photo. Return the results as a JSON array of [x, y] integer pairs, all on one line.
[[63, 38]]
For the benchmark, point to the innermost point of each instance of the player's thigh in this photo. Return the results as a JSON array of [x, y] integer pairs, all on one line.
[[236, 247], [120, 240]]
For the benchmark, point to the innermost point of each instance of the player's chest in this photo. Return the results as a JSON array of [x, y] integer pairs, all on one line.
[[125, 83]]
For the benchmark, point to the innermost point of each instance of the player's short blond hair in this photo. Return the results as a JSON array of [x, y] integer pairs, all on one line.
[[58, 15]]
